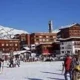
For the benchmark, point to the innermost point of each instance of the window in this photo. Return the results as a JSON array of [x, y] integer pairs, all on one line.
[[40, 39], [69, 46], [54, 40], [47, 39], [76, 51], [16, 44], [47, 36], [22, 39], [43, 39], [16, 49], [7, 49], [40, 36], [13, 48], [51, 39], [2, 44], [54, 36], [11, 44], [68, 51], [3, 49], [62, 51], [6, 44], [51, 36], [37, 39], [62, 47], [36, 36]]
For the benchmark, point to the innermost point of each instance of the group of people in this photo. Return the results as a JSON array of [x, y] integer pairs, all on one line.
[[14, 61], [70, 62], [11, 62]]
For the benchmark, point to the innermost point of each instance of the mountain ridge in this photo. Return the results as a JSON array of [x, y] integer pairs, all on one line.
[[7, 32]]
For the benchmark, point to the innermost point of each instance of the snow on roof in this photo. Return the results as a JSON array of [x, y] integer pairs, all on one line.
[[55, 31], [19, 52], [32, 44], [69, 38], [15, 52], [5, 53], [67, 26], [27, 48]]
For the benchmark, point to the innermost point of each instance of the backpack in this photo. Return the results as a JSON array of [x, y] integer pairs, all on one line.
[[77, 67]]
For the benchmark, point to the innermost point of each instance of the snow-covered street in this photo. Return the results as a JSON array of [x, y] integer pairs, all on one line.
[[34, 71]]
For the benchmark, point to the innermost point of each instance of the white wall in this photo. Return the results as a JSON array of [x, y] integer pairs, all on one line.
[[67, 46]]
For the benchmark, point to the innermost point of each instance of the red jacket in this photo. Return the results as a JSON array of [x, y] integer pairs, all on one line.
[[67, 63]]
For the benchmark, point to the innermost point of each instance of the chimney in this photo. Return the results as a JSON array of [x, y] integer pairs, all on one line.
[[50, 25]]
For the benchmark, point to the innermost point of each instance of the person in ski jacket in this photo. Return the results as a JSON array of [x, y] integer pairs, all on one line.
[[1, 66], [11, 62], [75, 66], [67, 66], [18, 62]]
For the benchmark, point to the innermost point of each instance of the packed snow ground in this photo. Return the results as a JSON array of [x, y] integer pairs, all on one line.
[[34, 71]]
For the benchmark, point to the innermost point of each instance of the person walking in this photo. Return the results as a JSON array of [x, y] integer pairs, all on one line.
[[18, 62], [67, 66], [75, 67], [1, 65], [11, 62], [73, 64], [14, 62]]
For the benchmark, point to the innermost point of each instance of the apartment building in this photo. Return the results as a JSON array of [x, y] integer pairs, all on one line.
[[24, 39], [42, 42], [69, 38], [39, 38], [7, 45]]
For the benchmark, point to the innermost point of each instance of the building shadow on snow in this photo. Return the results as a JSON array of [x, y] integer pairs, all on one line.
[[55, 78], [34, 79], [52, 73]]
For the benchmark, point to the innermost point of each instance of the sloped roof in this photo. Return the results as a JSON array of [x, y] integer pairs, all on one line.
[[67, 26]]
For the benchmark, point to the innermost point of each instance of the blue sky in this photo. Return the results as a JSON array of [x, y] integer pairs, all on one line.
[[33, 15]]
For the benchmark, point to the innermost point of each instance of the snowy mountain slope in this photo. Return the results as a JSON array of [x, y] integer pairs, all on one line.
[[6, 32]]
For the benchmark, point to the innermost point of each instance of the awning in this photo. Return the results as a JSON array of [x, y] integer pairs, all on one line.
[[45, 54], [16, 52], [7, 54], [19, 52], [27, 48]]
